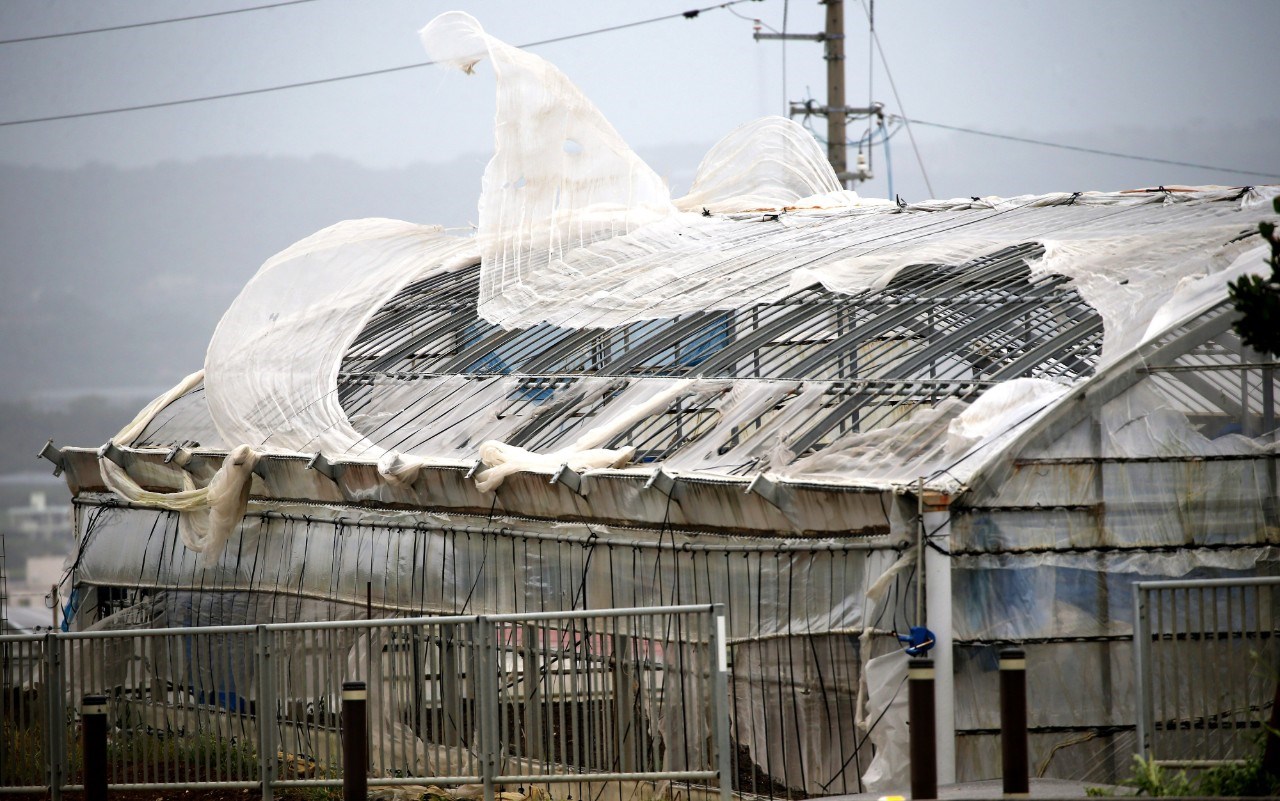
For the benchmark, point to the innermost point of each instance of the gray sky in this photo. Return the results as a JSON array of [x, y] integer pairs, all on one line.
[[1069, 69]]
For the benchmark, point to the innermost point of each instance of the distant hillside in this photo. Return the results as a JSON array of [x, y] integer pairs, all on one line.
[[115, 278], [85, 422]]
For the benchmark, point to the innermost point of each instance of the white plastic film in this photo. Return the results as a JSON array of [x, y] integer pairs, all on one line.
[[210, 514], [769, 163], [560, 176], [271, 372]]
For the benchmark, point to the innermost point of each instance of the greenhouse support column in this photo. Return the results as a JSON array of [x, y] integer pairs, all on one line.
[[937, 572]]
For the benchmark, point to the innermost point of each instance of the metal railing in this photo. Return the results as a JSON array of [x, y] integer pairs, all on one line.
[[568, 701], [1206, 666]]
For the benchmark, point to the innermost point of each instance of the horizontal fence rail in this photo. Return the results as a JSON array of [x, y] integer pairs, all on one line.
[[1207, 665], [569, 702]]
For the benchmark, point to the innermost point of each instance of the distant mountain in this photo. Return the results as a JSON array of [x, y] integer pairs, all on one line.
[[115, 278], [25, 426]]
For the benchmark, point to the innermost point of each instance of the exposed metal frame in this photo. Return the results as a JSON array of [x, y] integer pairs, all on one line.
[[934, 331]]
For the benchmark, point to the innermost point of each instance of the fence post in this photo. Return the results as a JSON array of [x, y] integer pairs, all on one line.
[[56, 719], [924, 732], [485, 688], [720, 690], [1013, 722], [531, 681], [624, 694], [265, 713], [451, 718], [1141, 666], [355, 741], [93, 723]]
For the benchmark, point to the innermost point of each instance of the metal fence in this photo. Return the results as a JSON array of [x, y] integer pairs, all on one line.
[[573, 702], [1207, 668]]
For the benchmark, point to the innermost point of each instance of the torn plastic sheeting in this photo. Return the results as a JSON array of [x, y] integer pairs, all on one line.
[[272, 365], [769, 163], [271, 370], [587, 451], [1196, 294], [1126, 254], [211, 513], [502, 460], [560, 175], [947, 444], [451, 429], [428, 418], [1144, 422], [884, 722], [325, 431], [562, 180], [722, 448]]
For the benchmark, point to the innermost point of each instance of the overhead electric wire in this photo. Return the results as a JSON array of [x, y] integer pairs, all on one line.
[[150, 23], [875, 37], [871, 72], [753, 20], [786, 102], [690, 14], [1093, 150]]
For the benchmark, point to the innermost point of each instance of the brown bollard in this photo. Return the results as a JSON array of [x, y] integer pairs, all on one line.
[[1013, 723], [93, 723], [924, 730], [355, 741]]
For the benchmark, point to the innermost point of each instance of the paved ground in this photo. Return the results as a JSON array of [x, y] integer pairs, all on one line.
[[1040, 788]]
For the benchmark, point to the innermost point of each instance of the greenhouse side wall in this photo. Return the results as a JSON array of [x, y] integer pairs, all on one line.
[[801, 626], [1153, 484]]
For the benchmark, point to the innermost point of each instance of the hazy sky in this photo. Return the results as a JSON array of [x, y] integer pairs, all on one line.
[[1067, 69]]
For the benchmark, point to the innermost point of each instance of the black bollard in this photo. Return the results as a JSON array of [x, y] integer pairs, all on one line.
[[1013, 722], [355, 741], [93, 717], [924, 731]]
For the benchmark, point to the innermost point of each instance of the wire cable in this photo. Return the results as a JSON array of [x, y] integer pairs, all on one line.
[[871, 71], [691, 14], [132, 25], [1092, 150], [786, 102], [875, 37], [752, 20], [888, 160]]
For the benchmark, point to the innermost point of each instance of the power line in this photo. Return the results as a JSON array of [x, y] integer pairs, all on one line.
[[786, 5], [875, 37], [152, 22], [1094, 151], [690, 14]]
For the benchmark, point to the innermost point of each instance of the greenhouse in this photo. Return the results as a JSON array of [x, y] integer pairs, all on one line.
[[842, 418]]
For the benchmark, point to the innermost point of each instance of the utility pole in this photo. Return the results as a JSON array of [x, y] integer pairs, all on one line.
[[835, 110], [836, 143]]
